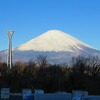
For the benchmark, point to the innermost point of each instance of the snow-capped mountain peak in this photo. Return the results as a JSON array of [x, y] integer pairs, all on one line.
[[52, 40], [57, 46]]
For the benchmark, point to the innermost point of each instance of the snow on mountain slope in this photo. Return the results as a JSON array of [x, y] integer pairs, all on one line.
[[52, 40], [59, 47]]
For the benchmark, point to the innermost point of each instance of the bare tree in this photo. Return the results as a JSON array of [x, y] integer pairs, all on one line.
[[42, 61], [0, 59], [94, 65]]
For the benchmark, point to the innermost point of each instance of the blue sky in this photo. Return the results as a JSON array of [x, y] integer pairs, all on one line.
[[30, 18]]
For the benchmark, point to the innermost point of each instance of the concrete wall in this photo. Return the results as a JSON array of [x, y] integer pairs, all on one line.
[[53, 96], [48, 96], [91, 98]]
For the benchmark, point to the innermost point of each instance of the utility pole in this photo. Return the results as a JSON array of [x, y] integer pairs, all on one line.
[[9, 54]]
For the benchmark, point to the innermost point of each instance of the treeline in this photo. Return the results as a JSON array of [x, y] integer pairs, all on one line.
[[83, 73]]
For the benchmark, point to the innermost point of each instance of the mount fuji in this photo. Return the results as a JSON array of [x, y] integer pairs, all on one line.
[[57, 46]]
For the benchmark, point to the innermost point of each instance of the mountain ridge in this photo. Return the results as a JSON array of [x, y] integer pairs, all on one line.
[[52, 40], [57, 46]]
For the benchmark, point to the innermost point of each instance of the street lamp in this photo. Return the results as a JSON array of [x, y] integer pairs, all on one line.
[[9, 55]]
